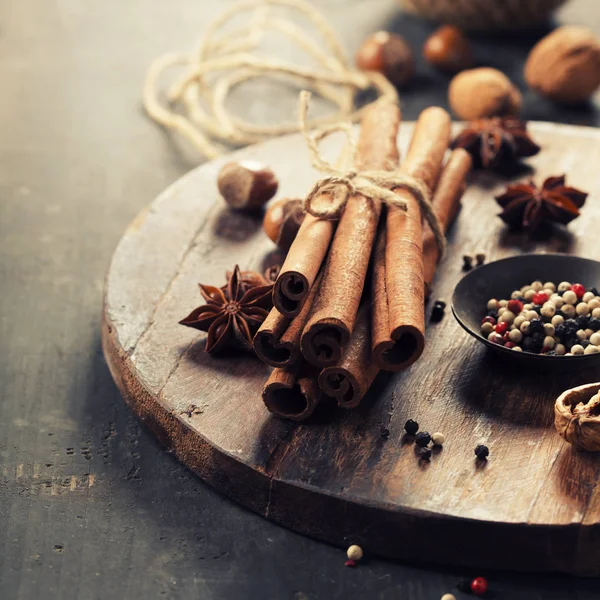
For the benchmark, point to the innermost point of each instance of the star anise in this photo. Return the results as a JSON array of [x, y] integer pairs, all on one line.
[[496, 143], [233, 315], [526, 206]]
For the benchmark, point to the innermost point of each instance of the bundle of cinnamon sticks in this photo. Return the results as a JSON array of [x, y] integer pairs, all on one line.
[[349, 300]]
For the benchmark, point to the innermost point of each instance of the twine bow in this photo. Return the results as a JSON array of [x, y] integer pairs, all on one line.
[[372, 184]]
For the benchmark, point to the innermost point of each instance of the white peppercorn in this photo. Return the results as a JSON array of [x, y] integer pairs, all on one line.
[[563, 286], [448, 597], [593, 304], [525, 327], [596, 313], [581, 334], [549, 329], [354, 552], [501, 310], [557, 320], [506, 317], [560, 349], [548, 310], [438, 439], [524, 289], [502, 302], [515, 336], [537, 285], [549, 342], [528, 306], [532, 315], [519, 321], [570, 297], [548, 292], [591, 350], [582, 308], [588, 296], [517, 349], [487, 328], [529, 294], [550, 286], [569, 310], [557, 300], [589, 332], [595, 338], [577, 350], [492, 304]]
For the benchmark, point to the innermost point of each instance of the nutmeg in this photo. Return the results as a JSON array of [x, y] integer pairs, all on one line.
[[448, 49], [483, 92], [282, 221], [246, 185], [565, 65], [577, 416], [388, 54]]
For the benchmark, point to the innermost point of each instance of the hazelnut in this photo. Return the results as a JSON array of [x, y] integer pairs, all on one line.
[[246, 185], [577, 416], [482, 93], [388, 54], [282, 221], [565, 65], [448, 49]]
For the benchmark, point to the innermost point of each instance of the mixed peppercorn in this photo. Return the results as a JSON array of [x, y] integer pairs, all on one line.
[[543, 318]]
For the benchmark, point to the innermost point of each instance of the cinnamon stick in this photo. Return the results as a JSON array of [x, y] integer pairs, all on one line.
[[446, 201], [334, 313], [402, 342], [302, 264], [349, 380], [277, 342], [291, 395]]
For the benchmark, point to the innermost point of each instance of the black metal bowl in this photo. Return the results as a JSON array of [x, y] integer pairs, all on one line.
[[498, 280]]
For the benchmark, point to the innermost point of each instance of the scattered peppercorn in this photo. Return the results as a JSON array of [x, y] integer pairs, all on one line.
[[350, 563], [482, 451], [425, 453], [467, 262], [422, 438], [411, 427], [480, 258], [438, 439], [437, 313], [479, 586], [354, 552], [448, 597], [464, 585]]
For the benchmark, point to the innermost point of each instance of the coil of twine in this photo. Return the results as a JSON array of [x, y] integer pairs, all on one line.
[[229, 55]]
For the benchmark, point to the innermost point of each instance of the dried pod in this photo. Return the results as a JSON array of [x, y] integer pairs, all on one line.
[[282, 221], [388, 54], [482, 93], [246, 185], [448, 49], [577, 417], [565, 65]]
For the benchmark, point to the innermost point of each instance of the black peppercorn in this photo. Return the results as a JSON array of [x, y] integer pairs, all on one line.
[[594, 324], [411, 427], [560, 331], [437, 313], [536, 326], [583, 321], [423, 438], [493, 314], [467, 262], [585, 343], [594, 291], [425, 453], [482, 451]]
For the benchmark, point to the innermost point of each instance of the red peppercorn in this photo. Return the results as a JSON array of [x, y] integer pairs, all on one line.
[[501, 328], [479, 586], [509, 344], [578, 289], [515, 306], [350, 563], [488, 320], [545, 349], [540, 298], [506, 337]]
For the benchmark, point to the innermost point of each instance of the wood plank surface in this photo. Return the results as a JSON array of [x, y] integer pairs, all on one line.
[[354, 477], [91, 506]]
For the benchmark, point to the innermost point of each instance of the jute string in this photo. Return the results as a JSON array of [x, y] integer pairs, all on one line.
[[228, 55], [341, 185]]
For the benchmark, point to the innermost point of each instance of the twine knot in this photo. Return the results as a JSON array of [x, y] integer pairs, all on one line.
[[341, 185]]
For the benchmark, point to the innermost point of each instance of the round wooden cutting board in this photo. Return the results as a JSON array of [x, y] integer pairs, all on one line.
[[349, 476]]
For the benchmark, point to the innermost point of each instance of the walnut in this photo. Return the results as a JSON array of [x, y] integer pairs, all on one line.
[[483, 92], [577, 417], [565, 65]]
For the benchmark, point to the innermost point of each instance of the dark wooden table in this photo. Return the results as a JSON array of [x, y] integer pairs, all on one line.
[[90, 505]]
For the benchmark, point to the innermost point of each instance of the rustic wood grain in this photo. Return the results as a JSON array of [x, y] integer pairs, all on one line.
[[353, 476]]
